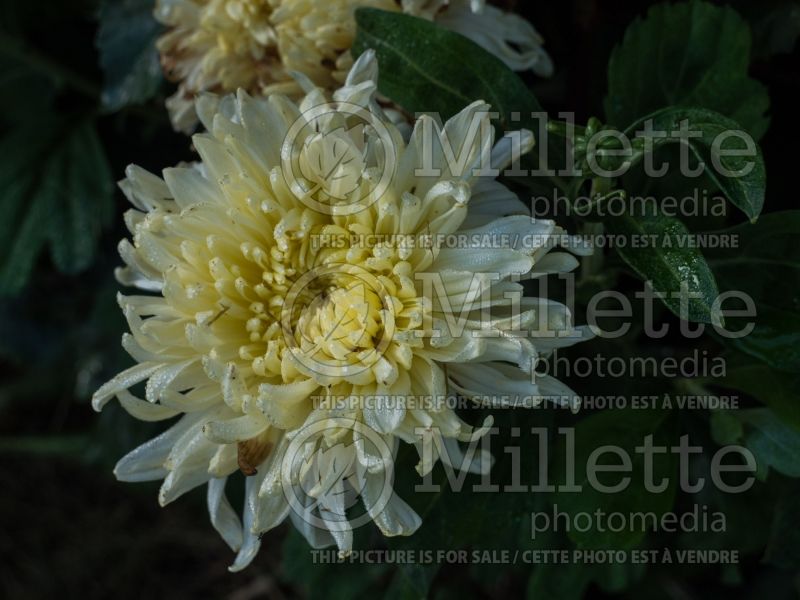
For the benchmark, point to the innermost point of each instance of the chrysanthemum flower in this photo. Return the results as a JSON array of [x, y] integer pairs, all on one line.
[[289, 326], [223, 45]]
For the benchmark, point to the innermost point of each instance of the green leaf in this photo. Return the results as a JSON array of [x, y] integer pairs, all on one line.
[[746, 515], [564, 581], [668, 260], [401, 587], [691, 53], [559, 582], [448, 516], [766, 266], [615, 578], [625, 429], [412, 580], [85, 205], [774, 389], [725, 428], [455, 517], [55, 187], [773, 443], [128, 56], [331, 580], [783, 548], [425, 68], [33, 92], [744, 184]]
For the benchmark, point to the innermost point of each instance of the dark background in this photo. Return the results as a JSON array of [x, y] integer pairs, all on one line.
[[67, 528]]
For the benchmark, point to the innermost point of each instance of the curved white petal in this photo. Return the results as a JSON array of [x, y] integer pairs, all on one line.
[[223, 517]]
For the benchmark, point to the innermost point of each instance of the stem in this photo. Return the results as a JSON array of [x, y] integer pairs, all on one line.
[[592, 264], [561, 184]]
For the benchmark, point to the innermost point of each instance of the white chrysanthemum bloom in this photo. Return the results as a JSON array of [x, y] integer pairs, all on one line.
[[256, 45], [303, 363]]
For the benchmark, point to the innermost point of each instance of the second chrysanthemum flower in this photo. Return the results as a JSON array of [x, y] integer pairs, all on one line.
[[256, 45]]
